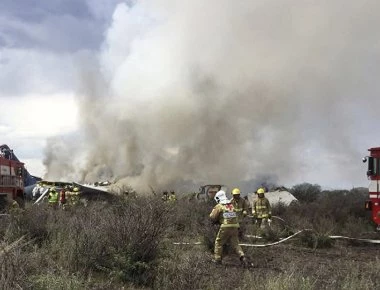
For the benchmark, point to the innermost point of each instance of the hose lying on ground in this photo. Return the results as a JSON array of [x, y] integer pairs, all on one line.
[[292, 236], [288, 238], [356, 239], [275, 243]]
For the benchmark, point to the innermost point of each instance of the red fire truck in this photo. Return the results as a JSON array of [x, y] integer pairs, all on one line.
[[11, 180], [373, 173]]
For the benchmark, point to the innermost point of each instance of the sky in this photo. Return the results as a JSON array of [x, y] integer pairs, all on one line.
[[174, 94]]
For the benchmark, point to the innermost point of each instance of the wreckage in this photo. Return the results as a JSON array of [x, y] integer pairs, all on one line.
[[279, 195], [87, 192], [207, 192]]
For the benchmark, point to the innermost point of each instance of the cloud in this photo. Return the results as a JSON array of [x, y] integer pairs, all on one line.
[[59, 26], [25, 71], [41, 45], [26, 122]]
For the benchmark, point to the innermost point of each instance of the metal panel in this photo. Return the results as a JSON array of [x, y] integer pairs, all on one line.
[[5, 170], [373, 186]]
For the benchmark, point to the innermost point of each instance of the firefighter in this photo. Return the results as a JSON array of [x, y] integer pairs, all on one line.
[[36, 191], [74, 196], [226, 215], [13, 206], [172, 196], [165, 196], [241, 207], [261, 209], [53, 198], [62, 197]]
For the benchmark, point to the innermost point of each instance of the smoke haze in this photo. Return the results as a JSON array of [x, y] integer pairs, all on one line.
[[190, 92]]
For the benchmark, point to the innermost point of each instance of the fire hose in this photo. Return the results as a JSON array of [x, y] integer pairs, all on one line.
[[371, 241]]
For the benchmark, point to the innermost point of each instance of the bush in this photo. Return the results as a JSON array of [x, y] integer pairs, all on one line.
[[122, 241], [189, 217], [12, 265], [33, 222], [306, 192]]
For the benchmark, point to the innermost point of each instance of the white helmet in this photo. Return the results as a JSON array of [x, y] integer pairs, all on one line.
[[220, 197]]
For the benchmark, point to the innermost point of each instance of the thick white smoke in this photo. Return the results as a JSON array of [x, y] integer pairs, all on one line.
[[220, 91]]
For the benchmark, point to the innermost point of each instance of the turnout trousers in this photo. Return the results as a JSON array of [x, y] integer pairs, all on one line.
[[227, 235]]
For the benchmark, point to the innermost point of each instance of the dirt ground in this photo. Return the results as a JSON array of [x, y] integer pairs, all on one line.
[[326, 268]]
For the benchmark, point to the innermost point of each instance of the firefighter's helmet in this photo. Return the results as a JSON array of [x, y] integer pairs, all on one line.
[[76, 189], [235, 191], [52, 188], [260, 190], [220, 197]]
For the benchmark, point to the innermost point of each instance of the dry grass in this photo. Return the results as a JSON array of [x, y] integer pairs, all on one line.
[[130, 244]]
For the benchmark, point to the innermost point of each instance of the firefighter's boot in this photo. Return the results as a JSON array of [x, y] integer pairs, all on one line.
[[243, 261]]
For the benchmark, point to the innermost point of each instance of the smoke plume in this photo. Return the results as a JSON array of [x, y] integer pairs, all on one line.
[[190, 92]]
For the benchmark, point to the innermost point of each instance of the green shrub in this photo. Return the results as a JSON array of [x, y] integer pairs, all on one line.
[[306, 192]]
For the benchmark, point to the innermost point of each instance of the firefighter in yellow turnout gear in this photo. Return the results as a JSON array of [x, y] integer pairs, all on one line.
[[241, 206], [225, 213], [73, 197], [53, 198], [172, 196], [261, 209], [14, 207]]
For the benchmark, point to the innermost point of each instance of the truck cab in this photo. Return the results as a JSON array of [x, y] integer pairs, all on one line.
[[373, 174], [11, 181]]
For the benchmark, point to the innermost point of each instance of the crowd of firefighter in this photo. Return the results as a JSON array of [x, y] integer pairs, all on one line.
[[229, 214], [67, 196]]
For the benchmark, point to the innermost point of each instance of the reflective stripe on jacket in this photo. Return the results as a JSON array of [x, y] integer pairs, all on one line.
[[74, 197], [261, 207], [226, 215]]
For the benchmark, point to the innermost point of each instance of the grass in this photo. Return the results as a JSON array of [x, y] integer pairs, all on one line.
[[129, 244]]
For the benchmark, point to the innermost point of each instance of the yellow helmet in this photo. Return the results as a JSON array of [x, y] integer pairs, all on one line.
[[235, 191], [76, 189], [260, 190], [52, 188]]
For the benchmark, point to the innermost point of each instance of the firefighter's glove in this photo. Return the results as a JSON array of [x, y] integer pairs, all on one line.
[[269, 216]]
